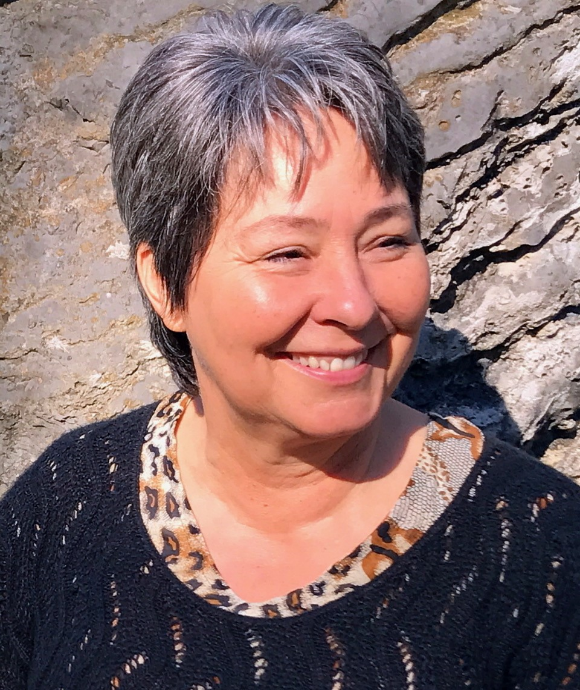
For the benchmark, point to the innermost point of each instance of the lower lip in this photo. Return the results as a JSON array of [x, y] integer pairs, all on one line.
[[338, 378]]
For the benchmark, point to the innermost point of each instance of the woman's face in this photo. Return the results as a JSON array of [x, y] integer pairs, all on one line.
[[306, 309]]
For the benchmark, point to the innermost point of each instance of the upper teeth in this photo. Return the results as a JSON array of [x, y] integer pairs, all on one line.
[[330, 363]]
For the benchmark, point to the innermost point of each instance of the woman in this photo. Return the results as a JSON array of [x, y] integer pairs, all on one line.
[[281, 521]]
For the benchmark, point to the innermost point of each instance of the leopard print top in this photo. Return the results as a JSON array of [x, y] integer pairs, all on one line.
[[452, 447]]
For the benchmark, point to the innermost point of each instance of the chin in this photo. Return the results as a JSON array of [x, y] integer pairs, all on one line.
[[336, 421]]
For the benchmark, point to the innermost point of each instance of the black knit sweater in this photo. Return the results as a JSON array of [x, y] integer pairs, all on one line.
[[488, 598]]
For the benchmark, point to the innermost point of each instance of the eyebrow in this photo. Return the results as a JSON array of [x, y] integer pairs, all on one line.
[[375, 217], [380, 215]]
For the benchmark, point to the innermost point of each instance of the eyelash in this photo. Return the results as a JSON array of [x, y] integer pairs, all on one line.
[[292, 254], [285, 255], [397, 241]]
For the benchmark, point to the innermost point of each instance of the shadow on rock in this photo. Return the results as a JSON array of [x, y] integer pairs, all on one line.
[[448, 377]]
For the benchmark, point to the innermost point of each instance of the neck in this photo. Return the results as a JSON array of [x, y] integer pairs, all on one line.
[[270, 479]]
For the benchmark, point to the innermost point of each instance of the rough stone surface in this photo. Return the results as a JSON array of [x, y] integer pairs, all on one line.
[[496, 83]]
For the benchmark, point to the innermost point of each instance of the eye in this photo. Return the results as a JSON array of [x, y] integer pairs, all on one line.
[[285, 255], [392, 241]]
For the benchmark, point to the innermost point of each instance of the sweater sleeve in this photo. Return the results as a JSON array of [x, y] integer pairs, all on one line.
[[22, 520], [550, 658]]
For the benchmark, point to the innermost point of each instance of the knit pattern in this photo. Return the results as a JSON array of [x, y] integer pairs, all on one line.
[[449, 452], [489, 597]]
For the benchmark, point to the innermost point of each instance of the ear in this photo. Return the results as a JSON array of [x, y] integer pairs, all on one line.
[[155, 289]]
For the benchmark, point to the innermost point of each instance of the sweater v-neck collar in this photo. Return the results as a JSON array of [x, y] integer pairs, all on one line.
[[447, 458]]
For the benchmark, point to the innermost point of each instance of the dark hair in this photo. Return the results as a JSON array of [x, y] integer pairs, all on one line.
[[200, 98]]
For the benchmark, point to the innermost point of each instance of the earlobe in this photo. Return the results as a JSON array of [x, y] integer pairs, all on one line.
[[154, 289]]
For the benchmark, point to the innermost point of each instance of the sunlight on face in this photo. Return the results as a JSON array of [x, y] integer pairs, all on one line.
[[306, 309]]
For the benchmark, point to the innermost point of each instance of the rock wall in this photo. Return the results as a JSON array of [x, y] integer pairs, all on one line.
[[496, 83]]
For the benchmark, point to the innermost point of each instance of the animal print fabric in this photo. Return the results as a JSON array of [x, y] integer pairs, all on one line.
[[452, 447]]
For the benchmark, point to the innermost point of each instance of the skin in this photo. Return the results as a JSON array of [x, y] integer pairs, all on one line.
[[288, 469]]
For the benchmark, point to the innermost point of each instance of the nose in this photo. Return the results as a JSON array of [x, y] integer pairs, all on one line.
[[343, 294]]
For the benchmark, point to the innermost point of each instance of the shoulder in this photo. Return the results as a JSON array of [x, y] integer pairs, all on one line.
[[79, 457], [538, 503], [522, 474], [121, 432], [530, 514], [86, 476], [78, 487], [503, 478]]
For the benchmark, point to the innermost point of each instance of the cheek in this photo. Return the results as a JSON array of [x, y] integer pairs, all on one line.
[[404, 294], [247, 310]]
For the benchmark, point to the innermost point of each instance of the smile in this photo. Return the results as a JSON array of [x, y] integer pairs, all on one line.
[[332, 369], [332, 363]]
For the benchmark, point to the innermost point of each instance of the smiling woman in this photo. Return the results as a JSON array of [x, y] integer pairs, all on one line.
[[297, 285], [281, 521]]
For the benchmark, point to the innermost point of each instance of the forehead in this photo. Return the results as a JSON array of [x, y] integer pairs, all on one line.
[[290, 179]]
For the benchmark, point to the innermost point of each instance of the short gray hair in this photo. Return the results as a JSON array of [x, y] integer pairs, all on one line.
[[201, 98]]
